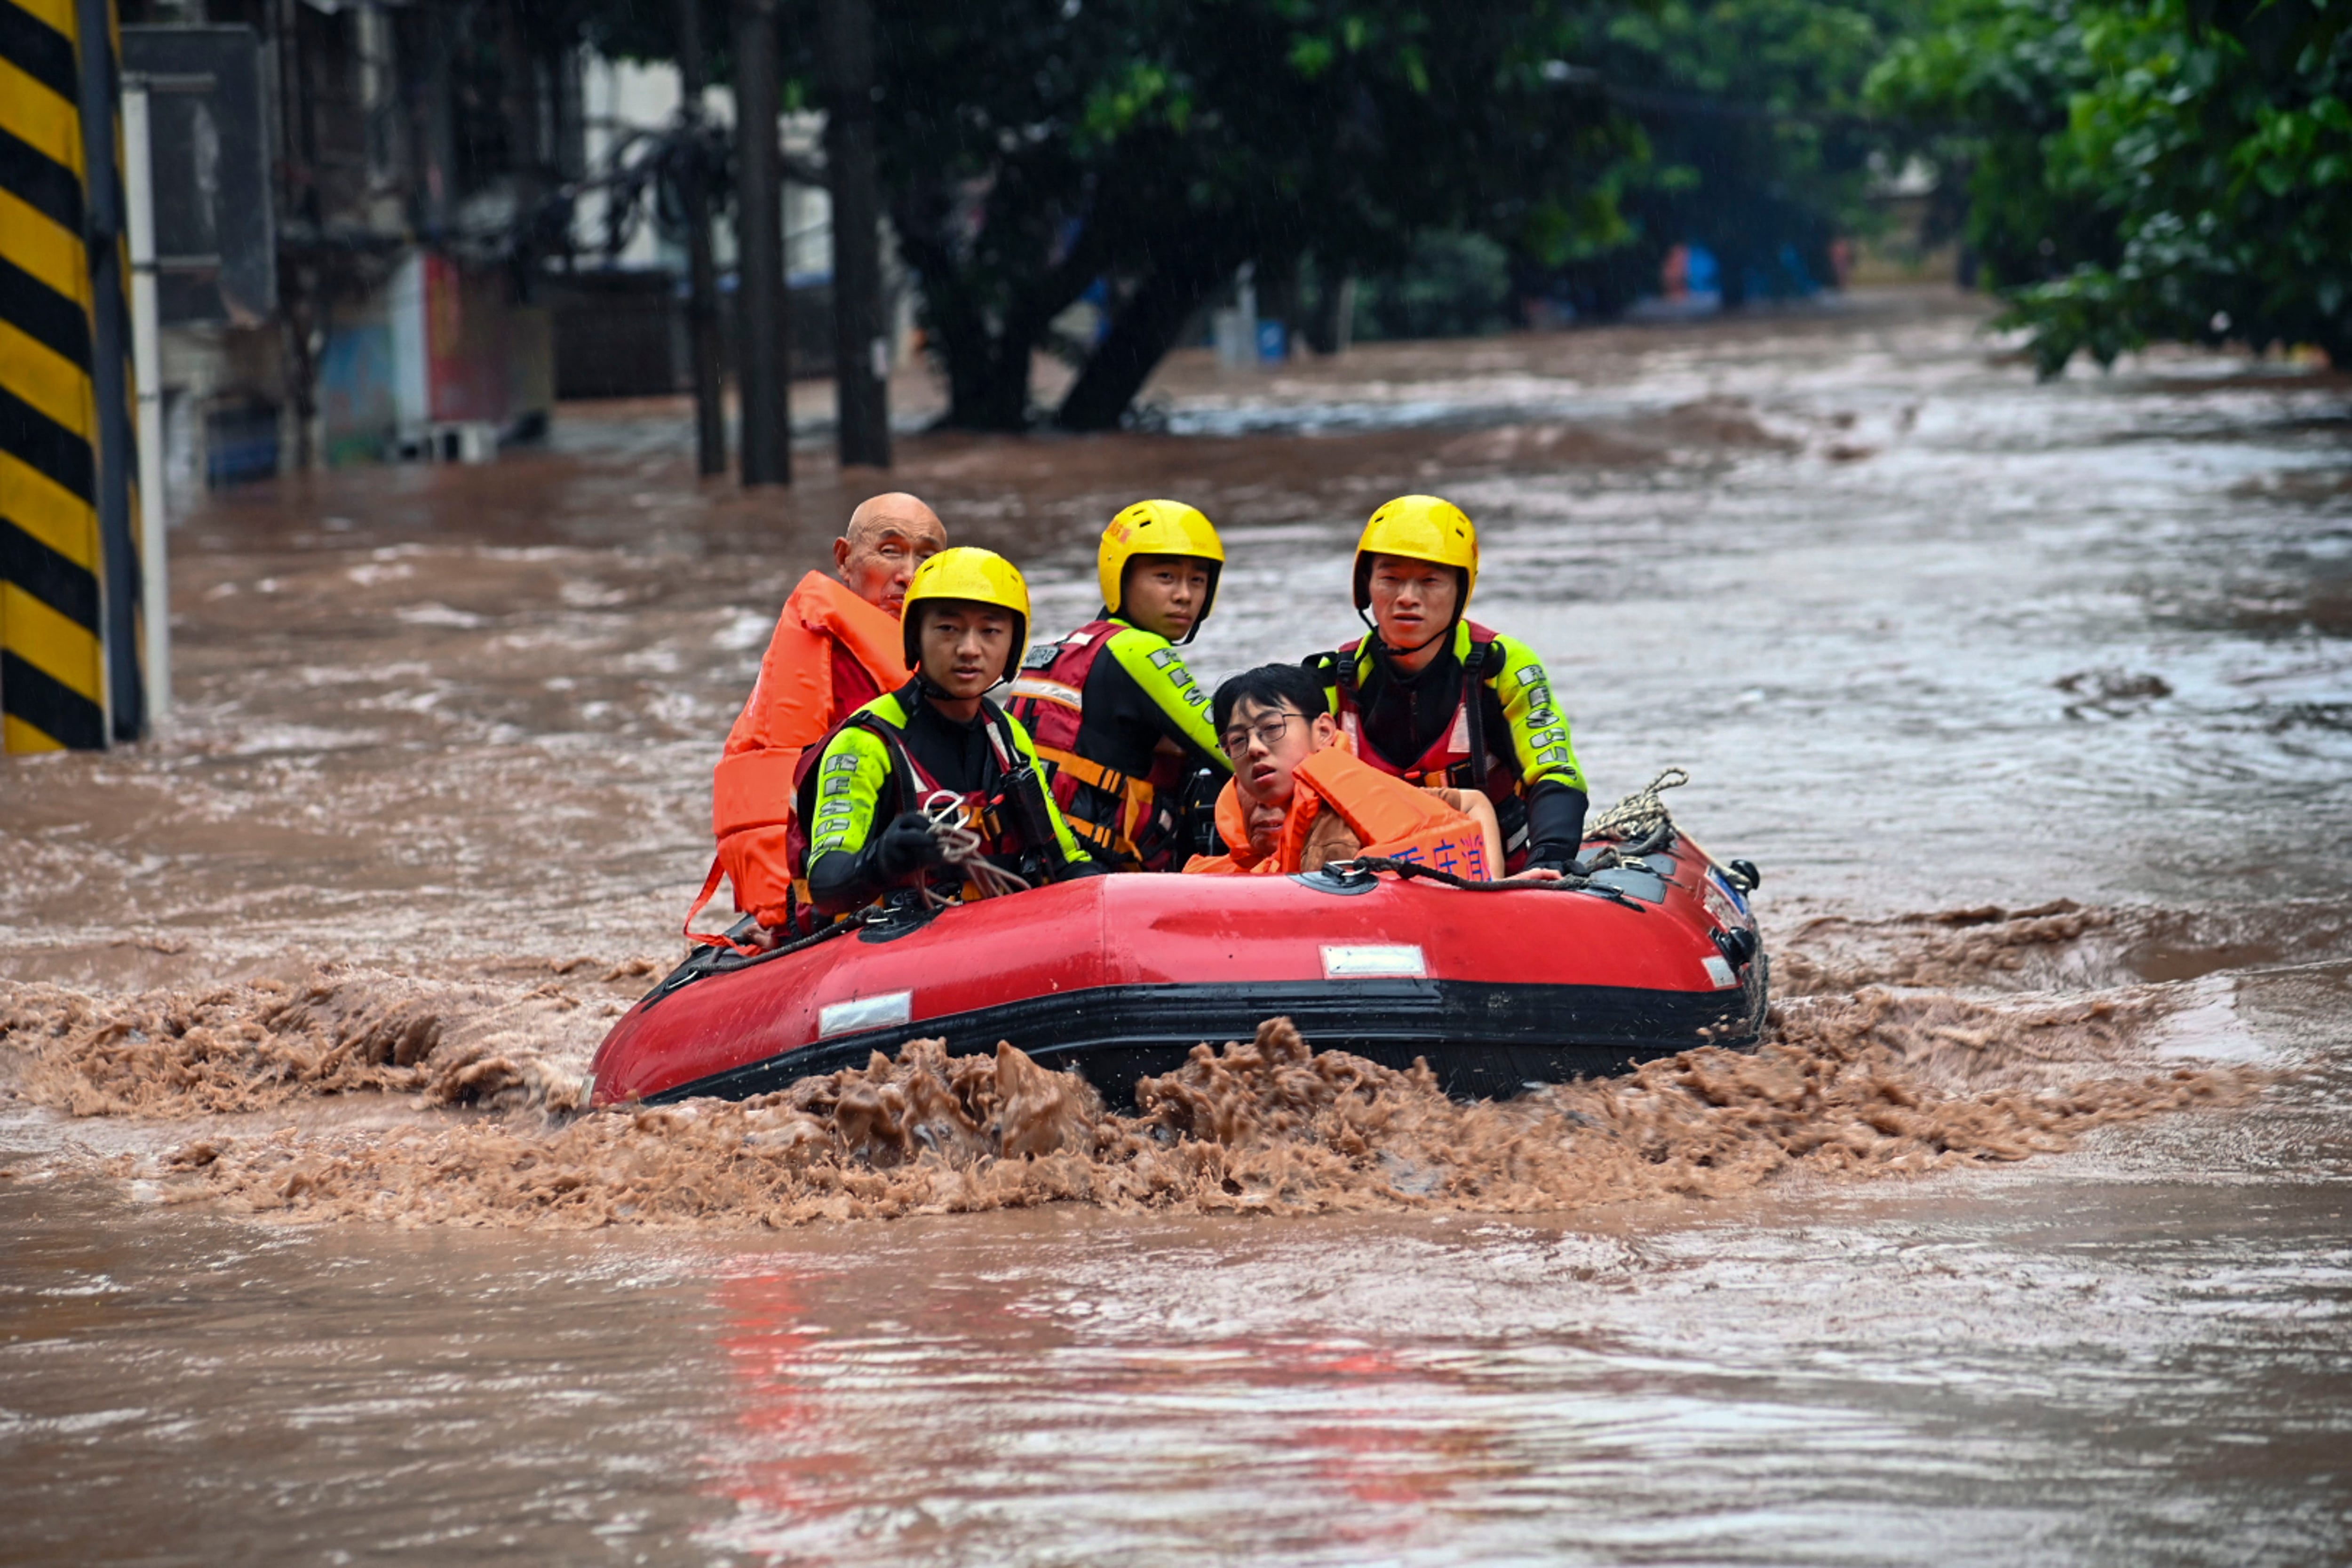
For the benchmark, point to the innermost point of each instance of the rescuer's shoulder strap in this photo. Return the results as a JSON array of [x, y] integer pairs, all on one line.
[[1483, 653], [1024, 793]]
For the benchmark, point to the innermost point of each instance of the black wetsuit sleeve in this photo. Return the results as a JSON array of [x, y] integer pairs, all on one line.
[[1555, 824], [841, 881]]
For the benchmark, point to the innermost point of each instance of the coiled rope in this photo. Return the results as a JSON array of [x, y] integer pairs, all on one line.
[[960, 847], [1639, 815], [1639, 819]]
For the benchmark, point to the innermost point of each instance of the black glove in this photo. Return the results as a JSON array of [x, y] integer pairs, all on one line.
[[1555, 826], [906, 845]]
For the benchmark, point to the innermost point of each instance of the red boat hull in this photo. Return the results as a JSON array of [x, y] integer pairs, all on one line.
[[1120, 976]]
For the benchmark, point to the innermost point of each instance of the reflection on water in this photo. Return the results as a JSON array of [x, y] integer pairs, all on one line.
[[2030, 699], [2085, 1366]]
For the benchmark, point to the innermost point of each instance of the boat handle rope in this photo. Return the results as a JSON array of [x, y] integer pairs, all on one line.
[[1411, 869], [1640, 823], [1642, 818]]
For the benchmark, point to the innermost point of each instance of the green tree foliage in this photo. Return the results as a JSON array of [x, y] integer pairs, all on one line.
[[1452, 286], [1032, 147], [1757, 145], [2147, 169]]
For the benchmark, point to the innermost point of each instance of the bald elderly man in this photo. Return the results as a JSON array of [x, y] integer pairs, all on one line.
[[835, 648]]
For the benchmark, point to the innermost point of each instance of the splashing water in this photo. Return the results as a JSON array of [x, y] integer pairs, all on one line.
[[1877, 1082]]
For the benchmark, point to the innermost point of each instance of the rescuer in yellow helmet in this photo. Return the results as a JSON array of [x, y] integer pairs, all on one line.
[[1121, 724], [1436, 698], [935, 748]]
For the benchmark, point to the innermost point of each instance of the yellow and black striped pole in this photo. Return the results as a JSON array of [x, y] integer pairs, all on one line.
[[68, 571]]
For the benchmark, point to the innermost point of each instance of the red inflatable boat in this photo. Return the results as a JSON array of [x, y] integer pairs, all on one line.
[[1120, 976]]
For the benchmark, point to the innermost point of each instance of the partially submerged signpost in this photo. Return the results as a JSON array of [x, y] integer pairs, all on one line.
[[85, 651], [69, 673]]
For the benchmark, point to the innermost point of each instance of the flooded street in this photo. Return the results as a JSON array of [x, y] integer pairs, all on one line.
[[2024, 1238]]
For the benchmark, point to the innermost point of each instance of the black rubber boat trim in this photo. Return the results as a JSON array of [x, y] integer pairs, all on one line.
[[1483, 1039]]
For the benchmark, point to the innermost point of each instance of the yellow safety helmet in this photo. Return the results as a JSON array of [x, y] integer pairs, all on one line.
[[979, 576], [1422, 527], [1158, 528]]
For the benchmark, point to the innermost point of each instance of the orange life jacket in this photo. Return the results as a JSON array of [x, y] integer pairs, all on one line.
[[1389, 816], [790, 709], [1233, 827]]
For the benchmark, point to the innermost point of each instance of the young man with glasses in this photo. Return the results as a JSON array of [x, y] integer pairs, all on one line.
[[1300, 799]]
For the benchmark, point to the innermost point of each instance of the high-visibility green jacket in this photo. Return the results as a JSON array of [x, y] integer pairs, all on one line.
[[898, 753]]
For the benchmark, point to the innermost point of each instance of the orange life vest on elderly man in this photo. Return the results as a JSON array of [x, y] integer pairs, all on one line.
[[837, 645], [1287, 755]]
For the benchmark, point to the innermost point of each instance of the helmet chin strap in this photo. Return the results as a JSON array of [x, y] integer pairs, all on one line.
[[925, 687]]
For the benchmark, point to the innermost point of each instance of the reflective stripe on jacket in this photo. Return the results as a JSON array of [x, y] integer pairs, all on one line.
[[1537, 750]]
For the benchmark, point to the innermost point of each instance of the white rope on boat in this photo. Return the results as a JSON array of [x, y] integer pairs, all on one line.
[[1639, 815], [960, 845]]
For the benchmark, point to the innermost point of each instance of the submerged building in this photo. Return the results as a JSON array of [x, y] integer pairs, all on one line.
[[457, 231]]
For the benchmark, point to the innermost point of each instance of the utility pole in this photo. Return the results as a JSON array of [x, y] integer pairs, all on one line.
[[702, 276], [147, 375], [762, 345], [861, 343], [110, 360]]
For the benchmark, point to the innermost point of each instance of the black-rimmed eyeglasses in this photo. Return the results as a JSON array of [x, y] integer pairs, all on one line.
[[1268, 733]]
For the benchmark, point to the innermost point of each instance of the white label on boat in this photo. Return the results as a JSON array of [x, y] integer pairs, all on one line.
[[1721, 972], [866, 1013], [1369, 962]]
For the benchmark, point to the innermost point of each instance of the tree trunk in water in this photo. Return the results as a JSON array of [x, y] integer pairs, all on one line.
[[988, 389], [983, 392], [1141, 334], [765, 373], [1731, 272], [703, 276], [860, 348], [1330, 326]]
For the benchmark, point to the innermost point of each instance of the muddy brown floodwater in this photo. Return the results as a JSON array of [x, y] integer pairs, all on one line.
[[2022, 1238]]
